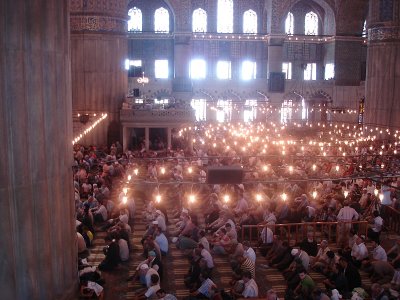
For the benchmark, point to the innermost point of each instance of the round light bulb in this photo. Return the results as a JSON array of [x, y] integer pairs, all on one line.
[[346, 193], [158, 198], [192, 198], [314, 194], [190, 170], [129, 177], [125, 190], [136, 172], [381, 197], [258, 197], [226, 198], [376, 192], [124, 200], [284, 196]]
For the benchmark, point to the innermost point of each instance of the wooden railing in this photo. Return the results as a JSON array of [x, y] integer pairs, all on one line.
[[298, 231], [391, 218]]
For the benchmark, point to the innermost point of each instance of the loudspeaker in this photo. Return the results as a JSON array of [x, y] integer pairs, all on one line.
[[225, 175], [276, 82], [136, 93]]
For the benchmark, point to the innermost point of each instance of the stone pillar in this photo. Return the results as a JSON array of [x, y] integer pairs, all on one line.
[[38, 239], [382, 94], [182, 84], [348, 63], [275, 54], [125, 138], [182, 56], [169, 138], [147, 138], [98, 52]]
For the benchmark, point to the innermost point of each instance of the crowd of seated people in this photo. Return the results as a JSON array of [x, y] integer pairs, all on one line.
[[97, 211], [275, 191], [334, 200]]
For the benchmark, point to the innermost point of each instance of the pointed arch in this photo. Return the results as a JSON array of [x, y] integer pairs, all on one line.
[[289, 23], [199, 20], [311, 23], [250, 21], [135, 22], [161, 20]]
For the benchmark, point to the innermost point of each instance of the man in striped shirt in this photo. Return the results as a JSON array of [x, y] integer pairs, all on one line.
[[245, 264]]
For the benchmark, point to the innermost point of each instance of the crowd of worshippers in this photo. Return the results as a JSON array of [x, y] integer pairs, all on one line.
[[223, 220], [96, 211]]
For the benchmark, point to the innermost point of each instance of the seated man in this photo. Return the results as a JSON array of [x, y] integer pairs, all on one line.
[[162, 295], [206, 290], [321, 260], [90, 288], [359, 252], [306, 285], [376, 226], [309, 245], [250, 287]]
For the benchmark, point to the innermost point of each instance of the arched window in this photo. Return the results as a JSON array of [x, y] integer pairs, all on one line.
[[199, 20], [135, 21], [311, 23], [289, 23], [250, 21], [161, 20], [225, 16], [365, 32]]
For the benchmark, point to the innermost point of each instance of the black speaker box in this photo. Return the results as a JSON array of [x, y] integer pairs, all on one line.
[[225, 175], [276, 83], [136, 92]]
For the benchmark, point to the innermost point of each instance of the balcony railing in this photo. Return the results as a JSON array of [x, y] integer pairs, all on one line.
[[298, 231], [157, 116]]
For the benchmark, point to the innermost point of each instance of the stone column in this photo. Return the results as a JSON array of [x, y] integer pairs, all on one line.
[[348, 62], [382, 105], [38, 239], [125, 137], [182, 84], [147, 138], [275, 54], [98, 52], [169, 137]]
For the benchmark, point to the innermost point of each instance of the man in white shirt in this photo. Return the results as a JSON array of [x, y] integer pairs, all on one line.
[[346, 214], [161, 220], [207, 257], [250, 286], [378, 253], [359, 252], [321, 260], [162, 241], [376, 226], [100, 214], [249, 252]]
